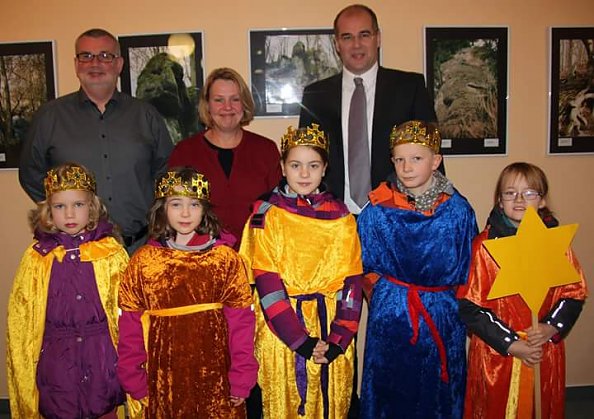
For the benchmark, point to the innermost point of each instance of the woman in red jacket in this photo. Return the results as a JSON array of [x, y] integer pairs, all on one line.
[[240, 165]]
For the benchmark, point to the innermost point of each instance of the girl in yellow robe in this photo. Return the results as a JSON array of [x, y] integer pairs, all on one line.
[[302, 247], [62, 311]]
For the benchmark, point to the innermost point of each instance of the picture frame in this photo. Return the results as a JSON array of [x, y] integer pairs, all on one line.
[[571, 104], [467, 78], [167, 71], [283, 62], [27, 81]]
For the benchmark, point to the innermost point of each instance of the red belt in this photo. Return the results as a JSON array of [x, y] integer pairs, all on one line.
[[416, 308]]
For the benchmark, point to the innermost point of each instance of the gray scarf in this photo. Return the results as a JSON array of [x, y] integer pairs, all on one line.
[[426, 200]]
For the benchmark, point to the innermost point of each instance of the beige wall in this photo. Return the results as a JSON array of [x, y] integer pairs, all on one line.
[[225, 26]]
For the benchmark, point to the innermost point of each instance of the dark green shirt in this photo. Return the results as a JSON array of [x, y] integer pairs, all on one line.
[[126, 148]]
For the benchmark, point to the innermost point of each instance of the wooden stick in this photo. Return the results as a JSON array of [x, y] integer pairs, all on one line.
[[537, 395]]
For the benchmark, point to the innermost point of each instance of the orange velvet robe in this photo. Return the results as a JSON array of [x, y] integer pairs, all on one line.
[[489, 373], [188, 357]]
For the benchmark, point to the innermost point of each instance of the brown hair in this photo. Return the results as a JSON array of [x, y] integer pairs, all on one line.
[[244, 93], [323, 154], [40, 218], [98, 33], [353, 8], [535, 178], [159, 228]]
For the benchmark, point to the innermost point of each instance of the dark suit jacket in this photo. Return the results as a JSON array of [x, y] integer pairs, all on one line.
[[399, 97]]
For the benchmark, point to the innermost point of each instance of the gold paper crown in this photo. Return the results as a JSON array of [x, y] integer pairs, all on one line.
[[416, 132], [310, 136], [172, 184], [73, 178]]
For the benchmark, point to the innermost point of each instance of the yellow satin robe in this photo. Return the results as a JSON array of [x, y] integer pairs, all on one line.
[[311, 256], [26, 313]]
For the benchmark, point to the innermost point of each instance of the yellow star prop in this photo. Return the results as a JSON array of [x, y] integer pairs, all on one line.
[[532, 261]]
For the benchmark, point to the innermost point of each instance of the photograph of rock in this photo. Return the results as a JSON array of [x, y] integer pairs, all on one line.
[[166, 70], [466, 70], [283, 62]]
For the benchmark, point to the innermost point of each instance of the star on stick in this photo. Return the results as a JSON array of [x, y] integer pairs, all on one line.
[[532, 261]]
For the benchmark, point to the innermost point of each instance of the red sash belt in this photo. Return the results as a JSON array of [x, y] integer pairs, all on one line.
[[416, 308]]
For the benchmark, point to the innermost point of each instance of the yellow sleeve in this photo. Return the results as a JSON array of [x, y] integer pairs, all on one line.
[[109, 260], [131, 290], [246, 250], [26, 318]]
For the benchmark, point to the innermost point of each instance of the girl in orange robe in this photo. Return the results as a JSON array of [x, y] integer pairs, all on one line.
[[186, 346], [503, 346]]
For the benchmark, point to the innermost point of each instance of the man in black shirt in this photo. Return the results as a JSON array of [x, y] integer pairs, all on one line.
[[122, 140]]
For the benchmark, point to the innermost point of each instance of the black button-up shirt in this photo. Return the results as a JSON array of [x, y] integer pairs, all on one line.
[[126, 148]]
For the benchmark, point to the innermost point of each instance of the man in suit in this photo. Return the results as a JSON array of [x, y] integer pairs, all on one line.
[[392, 97]]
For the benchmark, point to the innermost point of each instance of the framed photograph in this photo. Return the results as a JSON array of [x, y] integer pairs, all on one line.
[[26, 82], [283, 62], [166, 70], [466, 71], [571, 128]]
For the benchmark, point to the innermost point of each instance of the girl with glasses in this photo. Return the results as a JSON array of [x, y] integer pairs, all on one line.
[[502, 340]]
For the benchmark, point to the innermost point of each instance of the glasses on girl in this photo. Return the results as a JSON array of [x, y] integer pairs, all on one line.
[[528, 195]]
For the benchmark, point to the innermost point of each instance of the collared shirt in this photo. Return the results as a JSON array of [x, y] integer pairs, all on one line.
[[126, 147], [348, 88]]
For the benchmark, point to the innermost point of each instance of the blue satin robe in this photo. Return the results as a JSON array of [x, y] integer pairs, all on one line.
[[401, 379]]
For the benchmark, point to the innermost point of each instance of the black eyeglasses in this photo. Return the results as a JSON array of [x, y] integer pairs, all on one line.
[[102, 57], [528, 195]]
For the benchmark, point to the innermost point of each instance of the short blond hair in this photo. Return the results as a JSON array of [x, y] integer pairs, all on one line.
[[245, 95]]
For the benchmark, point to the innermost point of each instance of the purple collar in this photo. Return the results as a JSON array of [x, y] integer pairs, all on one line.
[[46, 242]]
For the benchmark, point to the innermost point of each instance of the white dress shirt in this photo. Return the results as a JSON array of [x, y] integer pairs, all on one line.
[[348, 87]]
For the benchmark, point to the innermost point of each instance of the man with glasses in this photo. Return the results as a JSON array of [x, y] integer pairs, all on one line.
[[359, 129], [122, 140]]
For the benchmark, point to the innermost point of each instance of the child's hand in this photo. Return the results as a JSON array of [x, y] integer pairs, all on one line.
[[236, 401], [530, 355], [541, 334], [319, 352]]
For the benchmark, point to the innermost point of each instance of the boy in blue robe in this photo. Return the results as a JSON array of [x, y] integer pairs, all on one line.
[[416, 236]]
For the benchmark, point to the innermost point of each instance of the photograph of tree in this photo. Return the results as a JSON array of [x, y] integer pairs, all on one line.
[[572, 90], [166, 70], [26, 82], [466, 70], [283, 62]]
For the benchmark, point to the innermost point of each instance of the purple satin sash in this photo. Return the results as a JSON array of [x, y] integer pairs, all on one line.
[[300, 369]]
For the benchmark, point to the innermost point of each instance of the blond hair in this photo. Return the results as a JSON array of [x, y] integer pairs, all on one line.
[[41, 219], [229, 74]]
